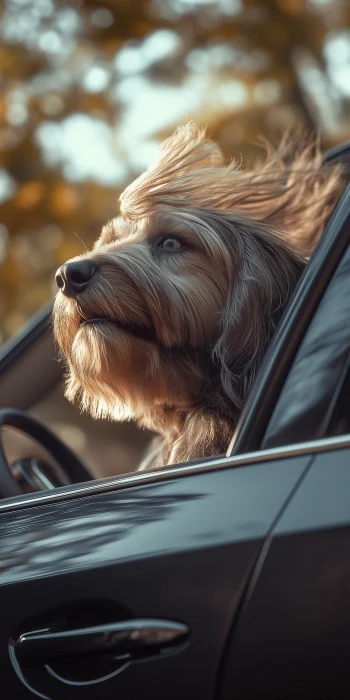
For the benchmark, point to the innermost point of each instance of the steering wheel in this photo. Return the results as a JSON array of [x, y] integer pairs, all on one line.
[[37, 473]]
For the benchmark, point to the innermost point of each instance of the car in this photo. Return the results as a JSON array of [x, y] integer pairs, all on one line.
[[222, 578]]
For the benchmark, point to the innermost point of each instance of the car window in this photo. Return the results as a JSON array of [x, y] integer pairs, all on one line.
[[259, 424], [314, 400]]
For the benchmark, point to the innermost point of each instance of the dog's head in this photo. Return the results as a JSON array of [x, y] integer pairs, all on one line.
[[182, 292]]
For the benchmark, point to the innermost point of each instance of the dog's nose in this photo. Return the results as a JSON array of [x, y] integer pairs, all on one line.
[[74, 277]]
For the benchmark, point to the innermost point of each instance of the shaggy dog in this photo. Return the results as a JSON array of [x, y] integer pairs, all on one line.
[[167, 319]]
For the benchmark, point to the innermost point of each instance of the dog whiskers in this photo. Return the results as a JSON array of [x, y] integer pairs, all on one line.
[[81, 313]]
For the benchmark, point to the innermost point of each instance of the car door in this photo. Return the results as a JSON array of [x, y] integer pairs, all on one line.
[[134, 587], [174, 548]]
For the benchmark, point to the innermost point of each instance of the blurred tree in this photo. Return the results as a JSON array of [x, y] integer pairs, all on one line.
[[88, 90]]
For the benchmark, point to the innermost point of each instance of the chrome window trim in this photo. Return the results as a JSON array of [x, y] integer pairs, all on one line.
[[14, 347], [109, 484]]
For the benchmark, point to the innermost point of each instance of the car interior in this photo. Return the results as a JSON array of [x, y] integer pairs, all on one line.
[[31, 380]]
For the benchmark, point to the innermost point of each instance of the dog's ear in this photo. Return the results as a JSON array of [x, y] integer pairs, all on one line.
[[264, 273], [168, 181]]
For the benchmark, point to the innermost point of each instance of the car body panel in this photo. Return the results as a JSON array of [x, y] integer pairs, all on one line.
[[182, 550], [291, 639]]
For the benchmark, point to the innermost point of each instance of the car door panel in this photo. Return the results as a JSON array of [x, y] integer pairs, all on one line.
[[181, 550], [291, 639]]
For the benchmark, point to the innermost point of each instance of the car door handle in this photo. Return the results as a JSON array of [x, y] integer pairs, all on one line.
[[130, 638]]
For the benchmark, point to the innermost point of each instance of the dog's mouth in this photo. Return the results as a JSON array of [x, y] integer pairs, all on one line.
[[138, 331]]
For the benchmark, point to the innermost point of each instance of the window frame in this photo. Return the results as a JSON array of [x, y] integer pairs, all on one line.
[[305, 405], [293, 326], [111, 484]]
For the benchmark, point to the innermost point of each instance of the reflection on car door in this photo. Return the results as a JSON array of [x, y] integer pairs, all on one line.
[[180, 550]]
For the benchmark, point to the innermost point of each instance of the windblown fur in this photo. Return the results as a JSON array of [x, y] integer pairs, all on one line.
[[181, 332]]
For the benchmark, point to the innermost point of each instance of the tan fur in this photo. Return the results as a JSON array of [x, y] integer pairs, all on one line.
[[184, 332]]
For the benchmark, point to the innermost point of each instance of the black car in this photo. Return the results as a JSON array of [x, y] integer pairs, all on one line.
[[224, 578]]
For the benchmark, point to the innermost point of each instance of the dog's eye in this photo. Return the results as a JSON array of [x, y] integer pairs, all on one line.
[[169, 243]]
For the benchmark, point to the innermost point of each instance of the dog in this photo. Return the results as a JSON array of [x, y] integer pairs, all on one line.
[[167, 319]]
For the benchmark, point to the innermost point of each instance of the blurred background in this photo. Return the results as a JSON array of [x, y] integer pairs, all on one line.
[[89, 89]]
